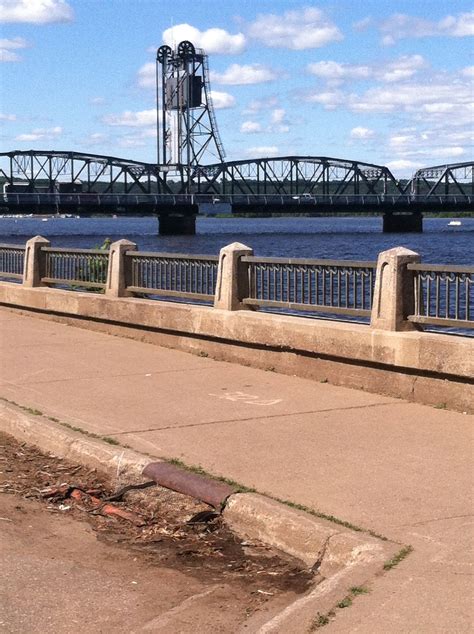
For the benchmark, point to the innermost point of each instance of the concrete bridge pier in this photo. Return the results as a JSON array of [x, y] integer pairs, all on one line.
[[408, 222], [179, 222]]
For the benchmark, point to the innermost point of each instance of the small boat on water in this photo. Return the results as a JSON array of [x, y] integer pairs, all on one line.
[[454, 223]]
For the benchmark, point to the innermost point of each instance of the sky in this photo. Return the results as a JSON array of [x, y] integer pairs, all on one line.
[[382, 81]]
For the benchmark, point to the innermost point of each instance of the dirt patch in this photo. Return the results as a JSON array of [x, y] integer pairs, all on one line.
[[153, 523]]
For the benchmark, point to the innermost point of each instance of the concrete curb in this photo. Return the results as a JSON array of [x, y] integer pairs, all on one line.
[[125, 464], [343, 557], [323, 546]]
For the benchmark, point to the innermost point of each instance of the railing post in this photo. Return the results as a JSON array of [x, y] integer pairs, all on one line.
[[394, 294], [116, 278], [232, 277], [33, 263]]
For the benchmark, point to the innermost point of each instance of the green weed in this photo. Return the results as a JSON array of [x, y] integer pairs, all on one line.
[[345, 603], [357, 590], [396, 559], [321, 620]]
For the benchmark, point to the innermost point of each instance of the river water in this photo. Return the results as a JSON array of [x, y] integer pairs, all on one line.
[[354, 238]]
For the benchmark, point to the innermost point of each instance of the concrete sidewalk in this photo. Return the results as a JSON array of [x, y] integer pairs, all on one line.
[[400, 469]]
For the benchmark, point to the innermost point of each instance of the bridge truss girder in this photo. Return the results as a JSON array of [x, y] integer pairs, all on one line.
[[46, 171], [443, 180], [294, 175]]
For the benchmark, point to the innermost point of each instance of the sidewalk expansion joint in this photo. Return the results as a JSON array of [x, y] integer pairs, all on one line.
[[251, 418], [107, 376], [435, 519]]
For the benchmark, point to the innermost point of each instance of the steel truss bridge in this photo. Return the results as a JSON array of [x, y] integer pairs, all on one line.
[[292, 181], [183, 178]]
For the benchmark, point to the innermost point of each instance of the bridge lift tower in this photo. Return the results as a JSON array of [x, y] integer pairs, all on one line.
[[187, 130]]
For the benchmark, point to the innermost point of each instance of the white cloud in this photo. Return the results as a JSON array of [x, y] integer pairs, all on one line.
[[400, 141], [7, 117], [413, 147], [16, 42], [438, 110], [401, 26], [8, 56], [35, 11], [297, 30], [412, 142], [468, 72], [222, 100], [277, 124], [139, 137], [262, 151], [362, 25], [239, 75], [40, 134], [257, 105], [432, 98], [8, 48], [335, 73], [450, 152], [131, 141], [330, 99], [131, 119], [147, 75], [403, 165], [278, 115], [212, 41], [403, 68], [96, 138], [250, 127], [461, 25], [278, 121], [427, 98], [97, 101], [361, 134]]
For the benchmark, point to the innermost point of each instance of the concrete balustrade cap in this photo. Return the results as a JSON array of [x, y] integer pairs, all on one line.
[[123, 242], [236, 246], [38, 239], [398, 251]]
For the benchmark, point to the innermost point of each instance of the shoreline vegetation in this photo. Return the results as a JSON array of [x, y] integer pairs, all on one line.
[[453, 215], [426, 214]]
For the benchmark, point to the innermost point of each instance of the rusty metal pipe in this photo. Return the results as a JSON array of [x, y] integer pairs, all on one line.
[[172, 477]]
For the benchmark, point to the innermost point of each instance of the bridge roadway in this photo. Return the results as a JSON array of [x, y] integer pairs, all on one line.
[[401, 469], [177, 212]]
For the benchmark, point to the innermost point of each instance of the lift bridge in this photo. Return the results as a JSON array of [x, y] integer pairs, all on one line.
[[191, 171]]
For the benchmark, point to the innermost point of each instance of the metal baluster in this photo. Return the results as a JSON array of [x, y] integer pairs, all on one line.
[[356, 277], [346, 282], [447, 295], [456, 297], [468, 283], [428, 294]]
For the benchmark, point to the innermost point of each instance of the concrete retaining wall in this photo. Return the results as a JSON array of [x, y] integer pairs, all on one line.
[[429, 368]]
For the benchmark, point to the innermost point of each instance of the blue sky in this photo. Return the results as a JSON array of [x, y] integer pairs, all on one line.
[[387, 82]]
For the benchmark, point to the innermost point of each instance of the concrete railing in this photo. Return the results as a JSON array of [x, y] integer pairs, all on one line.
[[389, 292], [390, 355]]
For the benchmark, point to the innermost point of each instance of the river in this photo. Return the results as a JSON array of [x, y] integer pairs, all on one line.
[[352, 238]]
